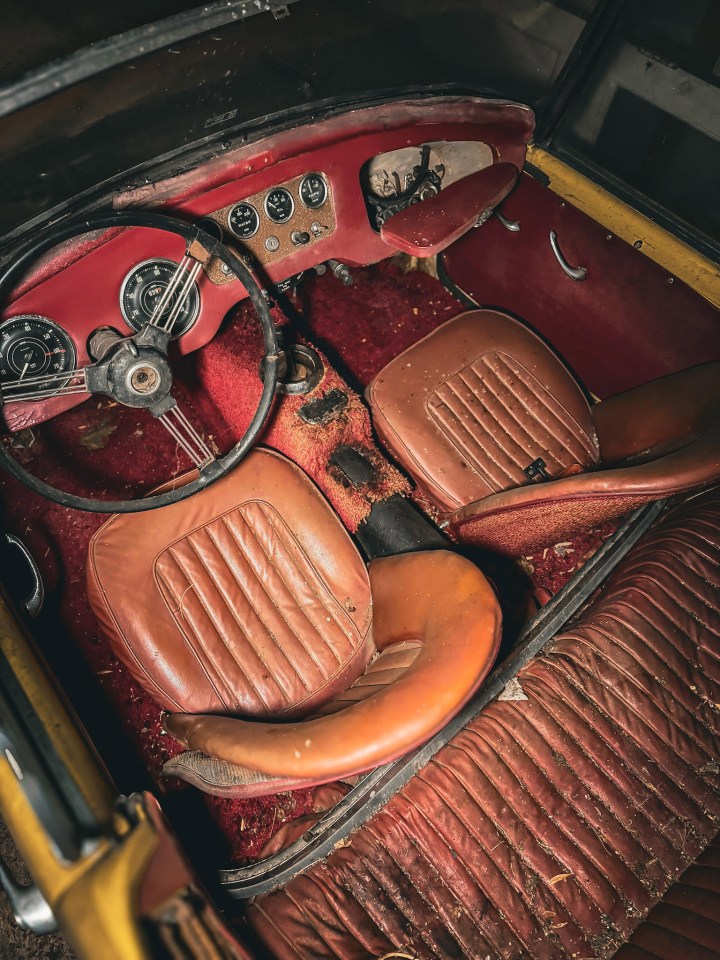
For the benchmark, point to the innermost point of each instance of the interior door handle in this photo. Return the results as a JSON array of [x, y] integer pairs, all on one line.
[[34, 602], [575, 273]]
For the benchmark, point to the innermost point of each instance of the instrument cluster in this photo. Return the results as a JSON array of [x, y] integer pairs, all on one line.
[[273, 223]]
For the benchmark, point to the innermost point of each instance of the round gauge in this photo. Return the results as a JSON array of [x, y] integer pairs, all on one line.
[[31, 346], [313, 190], [279, 205], [244, 220], [143, 288]]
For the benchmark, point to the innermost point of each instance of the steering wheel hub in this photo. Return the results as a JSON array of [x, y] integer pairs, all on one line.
[[138, 376]]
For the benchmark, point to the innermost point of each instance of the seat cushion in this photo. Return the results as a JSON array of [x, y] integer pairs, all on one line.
[[469, 407], [550, 826], [248, 598]]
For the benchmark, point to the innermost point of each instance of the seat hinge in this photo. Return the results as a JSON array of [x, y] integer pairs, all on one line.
[[536, 470]]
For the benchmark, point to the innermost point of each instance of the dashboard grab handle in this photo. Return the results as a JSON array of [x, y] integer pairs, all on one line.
[[430, 226]]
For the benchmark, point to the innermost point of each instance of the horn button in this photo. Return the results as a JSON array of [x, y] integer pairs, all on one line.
[[138, 376]]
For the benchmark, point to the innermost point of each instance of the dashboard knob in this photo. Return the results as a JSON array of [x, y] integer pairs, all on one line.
[[300, 237]]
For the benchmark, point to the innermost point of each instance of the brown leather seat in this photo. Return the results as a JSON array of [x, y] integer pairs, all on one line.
[[250, 599], [473, 406]]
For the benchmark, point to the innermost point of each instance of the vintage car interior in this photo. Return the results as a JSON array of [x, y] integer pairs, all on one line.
[[370, 487]]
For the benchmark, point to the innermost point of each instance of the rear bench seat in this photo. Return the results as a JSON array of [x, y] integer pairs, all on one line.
[[550, 827]]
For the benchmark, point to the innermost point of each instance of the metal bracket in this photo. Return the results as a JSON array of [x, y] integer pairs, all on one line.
[[537, 470], [279, 10], [30, 908], [575, 273]]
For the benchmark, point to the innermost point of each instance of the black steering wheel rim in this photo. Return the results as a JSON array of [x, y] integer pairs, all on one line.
[[12, 271]]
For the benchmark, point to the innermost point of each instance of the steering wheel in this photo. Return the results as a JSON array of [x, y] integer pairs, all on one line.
[[135, 371]]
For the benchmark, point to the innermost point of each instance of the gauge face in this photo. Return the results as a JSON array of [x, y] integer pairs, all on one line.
[[143, 289], [279, 205], [31, 346], [313, 190], [244, 220]]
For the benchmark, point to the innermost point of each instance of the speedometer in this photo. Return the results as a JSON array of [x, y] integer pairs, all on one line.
[[31, 345], [143, 289]]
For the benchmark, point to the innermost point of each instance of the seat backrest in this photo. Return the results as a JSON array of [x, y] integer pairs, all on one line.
[[249, 598], [656, 418], [665, 433], [468, 409]]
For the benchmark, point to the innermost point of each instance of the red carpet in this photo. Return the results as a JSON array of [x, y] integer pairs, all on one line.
[[121, 453]]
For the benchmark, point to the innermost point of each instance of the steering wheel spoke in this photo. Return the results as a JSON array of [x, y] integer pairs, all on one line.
[[185, 435], [181, 285], [64, 383]]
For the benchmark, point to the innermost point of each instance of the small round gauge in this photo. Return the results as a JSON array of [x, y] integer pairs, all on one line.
[[244, 220], [279, 205], [30, 346], [143, 288], [313, 190]]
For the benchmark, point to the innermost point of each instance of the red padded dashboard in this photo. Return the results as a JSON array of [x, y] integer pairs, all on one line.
[[79, 289]]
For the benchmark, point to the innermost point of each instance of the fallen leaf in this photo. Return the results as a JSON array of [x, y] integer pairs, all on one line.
[[98, 437], [558, 878]]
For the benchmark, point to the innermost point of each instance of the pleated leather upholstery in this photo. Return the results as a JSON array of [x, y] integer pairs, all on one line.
[[686, 923], [286, 638], [550, 826], [384, 670], [247, 598], [501, 418]]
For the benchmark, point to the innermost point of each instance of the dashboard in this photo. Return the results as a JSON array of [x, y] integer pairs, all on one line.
[[287, 204]]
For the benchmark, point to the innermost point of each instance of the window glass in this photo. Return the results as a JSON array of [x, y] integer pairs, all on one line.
[[650, 112]]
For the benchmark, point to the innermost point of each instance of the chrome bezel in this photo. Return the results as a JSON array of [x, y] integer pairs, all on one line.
[[270, 217], [314, 173], [139, 266], [54, 325], [243, 203]]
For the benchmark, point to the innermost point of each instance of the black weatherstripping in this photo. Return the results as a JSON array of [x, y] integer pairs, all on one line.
[[377, 787]]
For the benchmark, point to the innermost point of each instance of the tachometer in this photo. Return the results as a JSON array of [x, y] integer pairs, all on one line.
[[143, 288], [32, 345], [279, 205], [313, 190]]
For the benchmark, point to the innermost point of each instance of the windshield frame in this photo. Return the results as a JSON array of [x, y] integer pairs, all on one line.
[[96, 58]]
